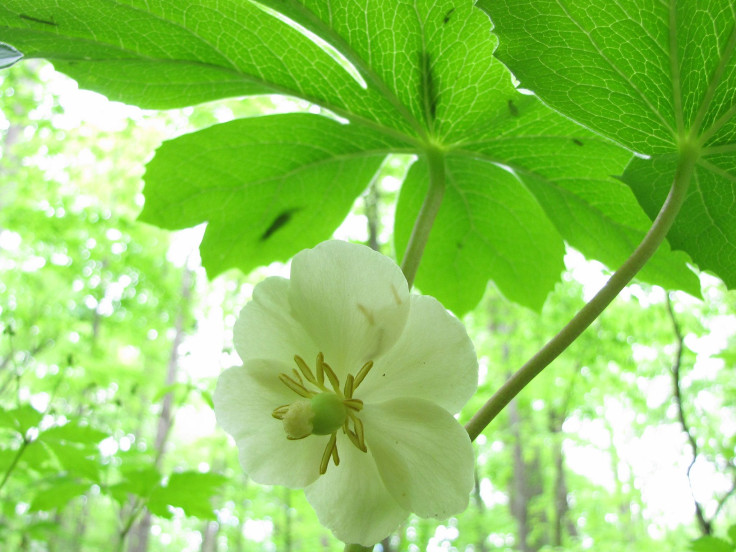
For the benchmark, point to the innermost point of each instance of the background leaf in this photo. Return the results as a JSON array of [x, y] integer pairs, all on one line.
[[191, 491]]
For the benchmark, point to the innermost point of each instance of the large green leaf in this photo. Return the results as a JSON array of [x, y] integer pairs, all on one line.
[[267, 186], [407, 76], [658, 78]]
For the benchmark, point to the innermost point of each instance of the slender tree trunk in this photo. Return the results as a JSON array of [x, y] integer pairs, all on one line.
[[562, 524], [519, 486], [140, 533], [209, 536], [481, 507]]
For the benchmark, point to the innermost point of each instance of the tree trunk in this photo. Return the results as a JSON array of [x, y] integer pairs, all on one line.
[[140, 533], [209, 536], [519, 502]]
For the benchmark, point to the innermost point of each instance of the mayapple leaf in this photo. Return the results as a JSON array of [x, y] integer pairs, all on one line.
[[267, 186], [711, 544], [58, 493], [658, 78], [191, 491], [20, 419], [707, 223], [407, 76], [489, 227]]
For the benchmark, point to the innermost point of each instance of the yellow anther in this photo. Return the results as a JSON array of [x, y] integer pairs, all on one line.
[[335, 456], [349, 386], [353, 438], [304, 369], [320, 369], [280, 411], [355, 404], [359, 433], [332, 377], [327, 454], [294, 386], [362, 374]]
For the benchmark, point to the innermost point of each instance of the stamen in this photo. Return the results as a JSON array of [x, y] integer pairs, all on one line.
[[353, 438], [327, 453], [355, 404], [280, 411], [294, 386], [349, 386], [335, 456], [320, 369], [297, 377], [332, 377], [362, 374], [304, 369], [358, 425]]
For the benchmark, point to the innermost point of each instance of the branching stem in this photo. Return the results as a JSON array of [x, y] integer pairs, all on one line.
[[427, 214], [689, 155]]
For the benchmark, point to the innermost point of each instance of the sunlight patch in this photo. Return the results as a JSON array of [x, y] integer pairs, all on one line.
[[325, 46]]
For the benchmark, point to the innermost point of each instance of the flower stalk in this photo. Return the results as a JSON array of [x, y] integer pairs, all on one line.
[[357, 548], [427, 214], [689, 155]]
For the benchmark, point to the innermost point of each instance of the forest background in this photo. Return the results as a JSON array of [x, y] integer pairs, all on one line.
[[113, 337]]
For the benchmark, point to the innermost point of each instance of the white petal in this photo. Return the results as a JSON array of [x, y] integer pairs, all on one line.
[[266, 329], [351, 500], [244, 399], [434, 359], [352, 300], [423, 454]]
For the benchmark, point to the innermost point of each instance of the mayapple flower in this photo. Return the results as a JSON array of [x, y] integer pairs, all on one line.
[[348, 389]]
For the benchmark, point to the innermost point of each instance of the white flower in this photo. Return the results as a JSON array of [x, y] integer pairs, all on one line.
[[347, 390]]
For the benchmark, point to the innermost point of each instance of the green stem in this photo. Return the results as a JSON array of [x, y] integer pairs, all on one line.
[[427, 214], [357, 548], [689, 155], [15, 461]]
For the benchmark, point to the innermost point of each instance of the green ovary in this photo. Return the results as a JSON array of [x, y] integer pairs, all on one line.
[[329, 413]]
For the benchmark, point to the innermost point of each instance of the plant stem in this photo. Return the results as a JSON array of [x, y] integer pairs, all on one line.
[[689, 155], [357, 548], [15, 461], [427, 214]]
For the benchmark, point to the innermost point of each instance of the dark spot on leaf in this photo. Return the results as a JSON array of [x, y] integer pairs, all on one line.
[[459, 245], [279, 222], [447, 15], [429, 92], [577, 142], [513, 109], [37, 20]]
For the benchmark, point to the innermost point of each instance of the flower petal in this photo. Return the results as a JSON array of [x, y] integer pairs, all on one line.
[[351, 500], [352, 300], [265, 328], [423, 454], [433, 359], [244, 399]]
